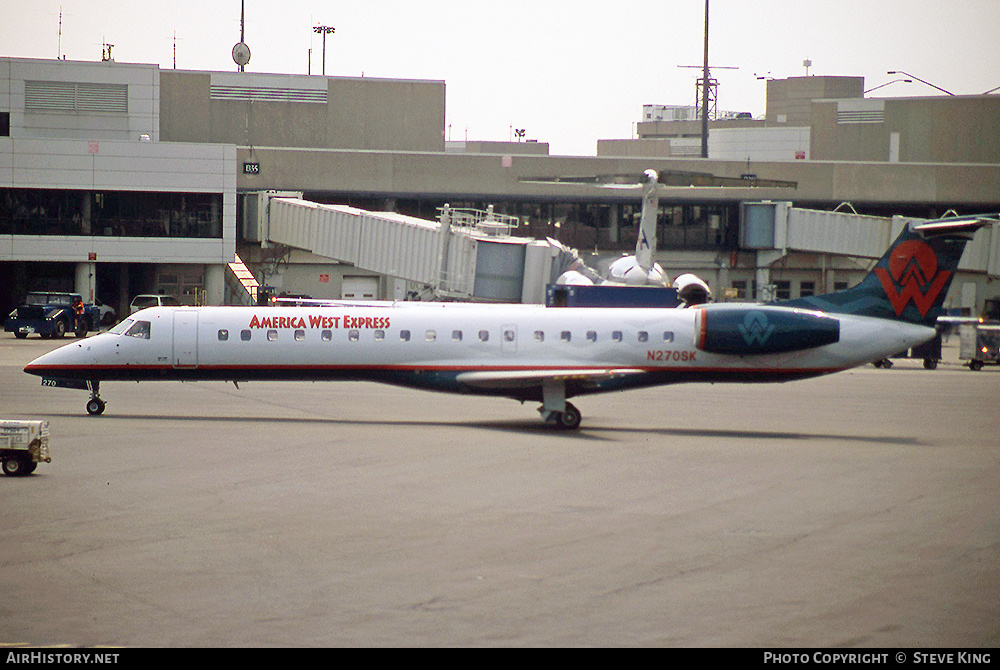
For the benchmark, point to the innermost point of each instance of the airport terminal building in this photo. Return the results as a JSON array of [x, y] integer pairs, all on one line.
[[118, 179]]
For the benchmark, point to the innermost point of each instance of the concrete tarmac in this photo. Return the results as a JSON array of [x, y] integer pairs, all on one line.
[[856, 510]]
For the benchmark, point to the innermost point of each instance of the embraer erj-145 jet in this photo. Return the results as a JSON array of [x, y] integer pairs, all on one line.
[[532, 352]]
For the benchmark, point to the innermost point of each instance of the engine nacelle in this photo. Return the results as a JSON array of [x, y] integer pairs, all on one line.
[[760, 329], [692, 290]]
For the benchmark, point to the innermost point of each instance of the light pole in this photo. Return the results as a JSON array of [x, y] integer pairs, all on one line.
[[907, 74], [908, 81], [324, 31]]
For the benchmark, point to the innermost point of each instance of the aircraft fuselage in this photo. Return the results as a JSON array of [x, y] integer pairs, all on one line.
[[450, 347]]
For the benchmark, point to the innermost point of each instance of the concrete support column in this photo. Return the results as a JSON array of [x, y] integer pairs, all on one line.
[[215, 284], [86, 281], [85, 215], [762, 273], [614, 218]]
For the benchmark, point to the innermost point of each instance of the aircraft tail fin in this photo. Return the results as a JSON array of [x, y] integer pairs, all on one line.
[[645, 245], [910, 281]]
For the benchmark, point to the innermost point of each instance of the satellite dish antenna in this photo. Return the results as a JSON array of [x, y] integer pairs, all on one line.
[[241, 54]]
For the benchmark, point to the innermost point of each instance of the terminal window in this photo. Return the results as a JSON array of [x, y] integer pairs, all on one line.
[[34, 211]]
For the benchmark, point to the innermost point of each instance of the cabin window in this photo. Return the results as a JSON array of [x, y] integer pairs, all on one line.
[[379, 335], [223, 335], [139, 329], [565, 336], [539, 336], [456, 335], [509, 336], [326, 335], [245, 335], [668, 336], [591, 335], [484, 335], [353, 335], [616, 335], [643, 336], [272, 335], [300, 335], [404, 335], [430, 335]]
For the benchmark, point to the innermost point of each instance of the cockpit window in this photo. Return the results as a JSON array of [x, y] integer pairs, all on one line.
[[139, 329], [122, 327]]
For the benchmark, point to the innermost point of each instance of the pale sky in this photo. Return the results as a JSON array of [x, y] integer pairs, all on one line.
[[569, 72]]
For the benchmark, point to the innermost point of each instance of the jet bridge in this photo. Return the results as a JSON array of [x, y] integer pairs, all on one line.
[[465, 254], [773, 229]]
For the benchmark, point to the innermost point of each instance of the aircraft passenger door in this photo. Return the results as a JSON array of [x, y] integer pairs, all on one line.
[[185, 351], [508, 339]]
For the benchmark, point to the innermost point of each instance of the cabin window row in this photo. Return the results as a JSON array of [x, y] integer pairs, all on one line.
[[507, 335]]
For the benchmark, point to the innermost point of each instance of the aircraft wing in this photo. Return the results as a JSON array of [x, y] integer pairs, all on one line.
[[501, 379]]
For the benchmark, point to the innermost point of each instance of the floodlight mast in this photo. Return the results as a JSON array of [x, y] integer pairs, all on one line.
[[324, 31]]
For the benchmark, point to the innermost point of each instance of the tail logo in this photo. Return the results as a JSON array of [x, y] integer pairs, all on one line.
[[755, 329], [912, 275]]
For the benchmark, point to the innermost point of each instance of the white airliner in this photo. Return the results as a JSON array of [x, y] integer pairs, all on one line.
[[640, 269], [530, 352]]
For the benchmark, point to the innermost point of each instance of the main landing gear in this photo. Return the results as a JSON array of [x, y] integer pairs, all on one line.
[[95, 405], [554, 407], [568, 419]]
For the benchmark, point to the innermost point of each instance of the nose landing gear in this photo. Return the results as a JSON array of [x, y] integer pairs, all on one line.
[[95, 406]]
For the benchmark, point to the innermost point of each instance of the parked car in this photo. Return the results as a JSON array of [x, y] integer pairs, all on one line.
[[108, 313], [152, 300], [50, 314]]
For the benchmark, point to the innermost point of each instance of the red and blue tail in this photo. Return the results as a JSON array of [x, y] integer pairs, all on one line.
[[910, 282]]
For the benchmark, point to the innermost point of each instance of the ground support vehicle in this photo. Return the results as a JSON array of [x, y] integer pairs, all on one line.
[[929, 351], [979, 344], [23, 445], [51, 315]]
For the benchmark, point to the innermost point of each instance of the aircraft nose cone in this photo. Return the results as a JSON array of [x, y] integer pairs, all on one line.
[[58, 361]]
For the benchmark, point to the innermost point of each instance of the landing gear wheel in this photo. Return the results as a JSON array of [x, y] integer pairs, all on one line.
[[569, 419], [95, 406]]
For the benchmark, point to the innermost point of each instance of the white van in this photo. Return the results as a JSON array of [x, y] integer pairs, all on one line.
[[150, 300]]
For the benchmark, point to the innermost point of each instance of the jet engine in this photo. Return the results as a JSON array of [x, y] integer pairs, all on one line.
[[759, 329], [692, 290]]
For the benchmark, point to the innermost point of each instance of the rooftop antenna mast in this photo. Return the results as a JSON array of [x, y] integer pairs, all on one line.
[[704, 93], [175, 49], [241, 52], [59, 34]]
